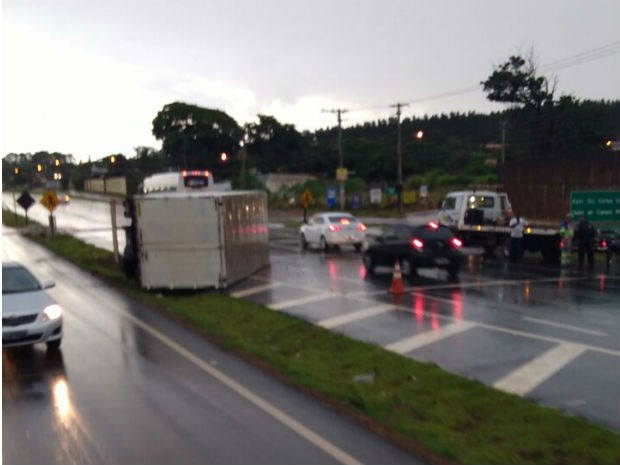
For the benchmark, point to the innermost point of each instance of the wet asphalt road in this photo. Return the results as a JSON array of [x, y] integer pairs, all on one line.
[[548, 334], [129, 386], [537, 331]]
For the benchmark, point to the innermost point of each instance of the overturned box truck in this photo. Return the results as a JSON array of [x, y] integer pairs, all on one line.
[[193, 240]]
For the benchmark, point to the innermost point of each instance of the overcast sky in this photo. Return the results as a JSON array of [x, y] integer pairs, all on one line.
[[88, 77]]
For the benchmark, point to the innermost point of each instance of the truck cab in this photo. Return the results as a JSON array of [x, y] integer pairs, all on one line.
[[475, 207]]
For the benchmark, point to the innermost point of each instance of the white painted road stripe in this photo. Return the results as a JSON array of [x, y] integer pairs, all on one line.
[[414, 342], [532, 374], [355, 316], [563, 326], [301, 301], [255, 290]]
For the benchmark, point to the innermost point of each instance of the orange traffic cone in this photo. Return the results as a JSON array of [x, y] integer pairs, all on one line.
[[397, 280]]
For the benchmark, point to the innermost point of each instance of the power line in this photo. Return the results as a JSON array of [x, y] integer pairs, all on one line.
[[604, 51]]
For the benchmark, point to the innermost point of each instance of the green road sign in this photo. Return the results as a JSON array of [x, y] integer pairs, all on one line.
[[596, 206]]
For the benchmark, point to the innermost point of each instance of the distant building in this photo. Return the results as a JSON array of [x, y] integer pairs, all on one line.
[[276, 181]]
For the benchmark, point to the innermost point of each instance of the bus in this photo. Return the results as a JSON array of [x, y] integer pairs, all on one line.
[[184, 181]]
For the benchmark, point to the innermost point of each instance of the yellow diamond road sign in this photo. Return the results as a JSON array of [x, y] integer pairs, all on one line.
[[306, 198], [49, 200]]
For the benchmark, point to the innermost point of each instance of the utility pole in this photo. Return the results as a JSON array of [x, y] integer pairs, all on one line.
[[339, 112], [399, 156], [503, 141]]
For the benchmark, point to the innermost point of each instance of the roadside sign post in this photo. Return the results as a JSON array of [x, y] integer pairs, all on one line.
[[114, 232], [306, 200], [331, 197], [341, 175], [25, 201], [49, 200]]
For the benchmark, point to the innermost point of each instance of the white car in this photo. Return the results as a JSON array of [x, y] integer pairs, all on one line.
[[333, 229], [29, 314]]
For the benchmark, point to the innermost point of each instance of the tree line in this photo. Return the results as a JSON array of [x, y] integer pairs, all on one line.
[[457, 148]]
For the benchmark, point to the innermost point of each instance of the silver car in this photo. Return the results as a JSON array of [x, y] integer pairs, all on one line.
[[332, 229], [29, 314]]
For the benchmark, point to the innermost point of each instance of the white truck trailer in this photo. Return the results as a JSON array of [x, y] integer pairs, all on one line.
[[192, 240], [480, 218]]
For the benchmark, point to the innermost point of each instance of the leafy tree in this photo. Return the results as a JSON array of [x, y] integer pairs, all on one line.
[[516, 82], [195, 137], [273, 146]]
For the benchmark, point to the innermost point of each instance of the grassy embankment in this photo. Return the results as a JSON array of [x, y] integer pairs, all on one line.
[[437, 414]]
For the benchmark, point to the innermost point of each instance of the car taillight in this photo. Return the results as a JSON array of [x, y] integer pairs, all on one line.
[[417, 244], [433, 225], [456, 242], [604, 243], [333, 228], [361, 227]]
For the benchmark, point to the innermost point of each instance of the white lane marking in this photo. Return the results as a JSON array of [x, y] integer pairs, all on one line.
[[540, 337], [255, 290], [301, 301], [270, 409], [355, 316], [564, 326], [414, 342], [476, 284], [262, 404], [527, 377]]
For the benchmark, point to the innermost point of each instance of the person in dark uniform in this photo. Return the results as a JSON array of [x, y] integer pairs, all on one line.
[[584, 234]]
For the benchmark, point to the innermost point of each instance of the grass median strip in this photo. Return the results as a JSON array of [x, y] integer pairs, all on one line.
[[424, 407]]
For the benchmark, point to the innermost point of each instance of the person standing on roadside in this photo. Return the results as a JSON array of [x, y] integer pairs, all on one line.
[[566, 233], [517, 226], [584, 234]]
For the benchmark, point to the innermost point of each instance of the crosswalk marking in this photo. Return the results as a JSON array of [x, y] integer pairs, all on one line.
[[255, 290], [527, 377], [414, 342], [304, 300], [355, 316], [564, 326]]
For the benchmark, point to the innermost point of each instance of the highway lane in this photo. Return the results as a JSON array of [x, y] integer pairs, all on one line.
[[129, 386], [549, 334]]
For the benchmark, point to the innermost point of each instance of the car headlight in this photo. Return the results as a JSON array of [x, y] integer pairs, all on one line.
[[52, 312]]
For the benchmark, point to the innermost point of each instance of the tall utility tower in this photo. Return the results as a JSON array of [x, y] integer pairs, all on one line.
[[399, 155], [339, 112]]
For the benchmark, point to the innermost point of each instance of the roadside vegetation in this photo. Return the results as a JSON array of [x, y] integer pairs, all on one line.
[[443, 417]]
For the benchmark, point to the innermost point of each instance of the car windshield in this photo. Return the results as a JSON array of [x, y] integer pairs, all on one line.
[[18, 279], [342, 219]]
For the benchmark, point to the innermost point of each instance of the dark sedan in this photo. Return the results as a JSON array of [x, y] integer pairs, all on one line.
[[425, 246]]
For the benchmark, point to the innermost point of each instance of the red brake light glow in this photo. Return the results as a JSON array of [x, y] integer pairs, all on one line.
[[184, 173], [345, 221], [361, 227], [433, 225], [417, 243], [456, 242], [604, 243], [333, 228]]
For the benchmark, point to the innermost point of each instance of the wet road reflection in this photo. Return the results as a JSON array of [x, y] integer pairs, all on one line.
[[496, 320], [129, 386]]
